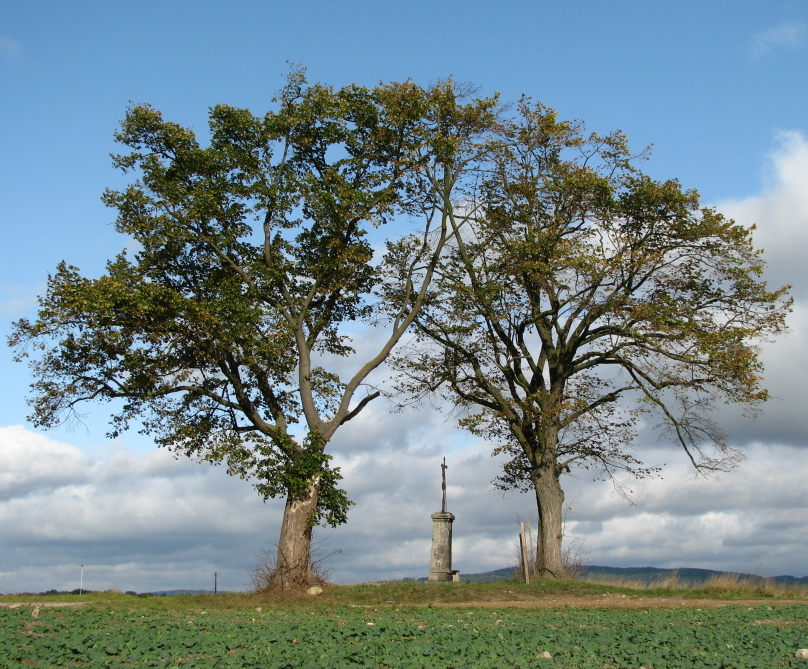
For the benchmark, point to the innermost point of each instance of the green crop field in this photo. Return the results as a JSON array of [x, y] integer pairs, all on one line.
[[301, 637]]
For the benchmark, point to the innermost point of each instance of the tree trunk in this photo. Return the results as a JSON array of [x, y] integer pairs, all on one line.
[[550, 502], [293, 568]]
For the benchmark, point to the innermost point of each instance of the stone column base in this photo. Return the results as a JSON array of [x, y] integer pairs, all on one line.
[[440, 567]]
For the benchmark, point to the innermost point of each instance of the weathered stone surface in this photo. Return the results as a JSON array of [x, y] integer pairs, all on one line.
[[314, 590], [440, 566], [802, 654], [546, 655]]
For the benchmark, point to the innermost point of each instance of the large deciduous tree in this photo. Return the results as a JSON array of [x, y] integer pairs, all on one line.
[[580, 292], [220, 332]]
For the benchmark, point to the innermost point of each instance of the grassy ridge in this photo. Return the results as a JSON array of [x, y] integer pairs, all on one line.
[[686, 577], [417, 593]]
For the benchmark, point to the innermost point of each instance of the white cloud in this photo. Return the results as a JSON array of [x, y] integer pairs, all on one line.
[[749, 520], [19, 300], [30, 461], [785, 36], [9, 48], [143, 521], [146, 521], [780, 212], [111, 509]]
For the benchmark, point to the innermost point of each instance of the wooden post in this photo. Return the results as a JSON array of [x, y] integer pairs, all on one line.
[[523, 548]]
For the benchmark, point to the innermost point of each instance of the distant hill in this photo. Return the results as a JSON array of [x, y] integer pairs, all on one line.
[[686, 576], [158, 593], [507, 574], [174, 593]]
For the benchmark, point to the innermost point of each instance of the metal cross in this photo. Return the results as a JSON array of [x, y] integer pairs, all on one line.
[[443, 469]]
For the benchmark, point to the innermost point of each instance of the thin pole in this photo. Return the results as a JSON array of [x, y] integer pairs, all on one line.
[[215, 581], [81, 583]]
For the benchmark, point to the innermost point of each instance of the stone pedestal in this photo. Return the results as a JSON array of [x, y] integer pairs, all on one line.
[[440, 567]]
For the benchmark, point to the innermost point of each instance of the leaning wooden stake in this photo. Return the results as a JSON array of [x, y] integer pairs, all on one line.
[[531, 547], [523, 547]]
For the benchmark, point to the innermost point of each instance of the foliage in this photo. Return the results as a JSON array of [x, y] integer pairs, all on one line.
[[739, 637], [580, 294], [251, 264]]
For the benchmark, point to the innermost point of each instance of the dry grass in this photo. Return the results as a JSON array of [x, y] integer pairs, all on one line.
[[725, 586], [670, 582], [731, 584]]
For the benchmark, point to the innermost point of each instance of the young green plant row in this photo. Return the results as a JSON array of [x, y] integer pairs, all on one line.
[[733, 636]]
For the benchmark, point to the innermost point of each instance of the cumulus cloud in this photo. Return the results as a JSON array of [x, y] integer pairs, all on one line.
[[780, 212], [31, 462], [144, 521], [62, 507], [787, 35], [751, 520]]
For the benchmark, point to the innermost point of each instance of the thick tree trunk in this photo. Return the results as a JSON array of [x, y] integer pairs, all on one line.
[[550, 502], [293, 568]]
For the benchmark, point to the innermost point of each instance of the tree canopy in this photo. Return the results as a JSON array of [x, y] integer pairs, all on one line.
[[251, 256], [579, 293]]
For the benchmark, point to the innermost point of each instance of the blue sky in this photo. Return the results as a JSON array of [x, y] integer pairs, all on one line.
[[717, 87]]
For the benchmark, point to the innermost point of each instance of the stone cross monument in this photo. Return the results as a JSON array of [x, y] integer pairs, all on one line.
[[440, 567]]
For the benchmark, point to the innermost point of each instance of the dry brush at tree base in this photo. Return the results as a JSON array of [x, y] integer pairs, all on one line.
[[263, 577]]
